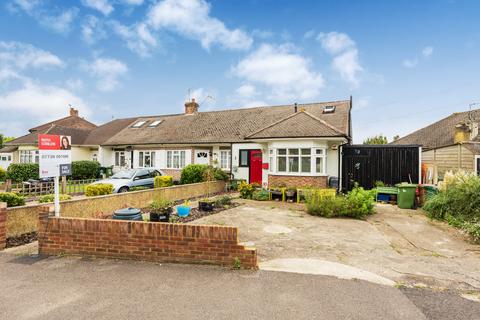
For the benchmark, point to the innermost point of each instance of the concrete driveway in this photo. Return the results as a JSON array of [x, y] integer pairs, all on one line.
[[396, 245]]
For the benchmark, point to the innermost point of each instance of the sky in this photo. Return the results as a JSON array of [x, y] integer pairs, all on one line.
[[406, 63]]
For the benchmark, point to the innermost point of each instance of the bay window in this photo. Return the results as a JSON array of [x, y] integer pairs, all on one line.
[[225, 159], [175, 159], [29, 156], [297, 160], [146, 159]]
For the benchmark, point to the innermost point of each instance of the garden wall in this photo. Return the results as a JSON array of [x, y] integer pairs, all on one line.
[[24, 219], [298, 181], [150, 241], [3, 219]]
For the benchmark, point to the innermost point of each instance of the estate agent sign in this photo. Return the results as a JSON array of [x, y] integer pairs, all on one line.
[[55, 155]]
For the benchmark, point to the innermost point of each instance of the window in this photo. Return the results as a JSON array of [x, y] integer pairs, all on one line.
[[295, 160], [146, 159], [120, 158], [225, 159], [94, 157], [28, 156], [175, 159], [139, 124], [154, 123], [142, 174], [320, 160], [243, 161]]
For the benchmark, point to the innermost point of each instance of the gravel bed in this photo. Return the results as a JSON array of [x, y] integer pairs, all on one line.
[[21, 239]]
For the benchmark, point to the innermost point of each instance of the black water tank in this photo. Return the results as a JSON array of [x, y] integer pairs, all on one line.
[[128, 214]]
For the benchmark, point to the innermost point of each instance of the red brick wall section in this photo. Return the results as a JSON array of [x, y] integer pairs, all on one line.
[[150, 241], [3, 225], [297, 181]]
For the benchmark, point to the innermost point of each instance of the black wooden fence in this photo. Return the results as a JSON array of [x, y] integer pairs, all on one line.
[[391, 164]]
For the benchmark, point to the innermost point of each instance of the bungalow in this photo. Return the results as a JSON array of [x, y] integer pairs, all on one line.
[[449, 144], [278, 145]]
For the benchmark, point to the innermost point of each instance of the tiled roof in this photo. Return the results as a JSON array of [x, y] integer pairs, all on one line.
[[8, 149], [78, 135], [229, 126], [70, 122], [440, 133], [102, 133]]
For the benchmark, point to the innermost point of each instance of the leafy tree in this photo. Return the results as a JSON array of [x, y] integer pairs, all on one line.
[[379, 139], [4, 140]]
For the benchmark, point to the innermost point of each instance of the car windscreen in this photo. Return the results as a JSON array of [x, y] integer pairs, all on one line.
[[126, 174]]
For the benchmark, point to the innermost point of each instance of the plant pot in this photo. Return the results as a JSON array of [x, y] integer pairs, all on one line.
[[162, 215], [154, 216], [290, 194], [183, 211], [205, 205]]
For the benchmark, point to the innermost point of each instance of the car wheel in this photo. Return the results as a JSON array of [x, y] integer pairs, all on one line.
[[123, 189]]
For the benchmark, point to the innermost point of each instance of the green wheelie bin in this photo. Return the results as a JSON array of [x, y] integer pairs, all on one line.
[[406, 195]]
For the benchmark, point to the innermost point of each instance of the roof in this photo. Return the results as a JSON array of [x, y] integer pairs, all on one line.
[[296, 125], [70, 122], [78, 135], [440, 133], [8, 149], [102, 133], [234, 125]]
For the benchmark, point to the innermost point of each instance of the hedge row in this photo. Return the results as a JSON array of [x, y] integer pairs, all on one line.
[[195, 173], [80, 170], [163, 181], [98, 189], [12, 199]]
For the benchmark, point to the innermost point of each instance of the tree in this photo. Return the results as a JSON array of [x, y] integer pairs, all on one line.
[[379, 139], [4, 140]]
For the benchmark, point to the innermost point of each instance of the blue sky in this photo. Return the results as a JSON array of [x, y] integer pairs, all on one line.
[[406, 63]]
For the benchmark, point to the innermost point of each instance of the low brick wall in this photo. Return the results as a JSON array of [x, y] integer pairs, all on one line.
[[150, 241], [298, 181], [3, 226], [21, 220]]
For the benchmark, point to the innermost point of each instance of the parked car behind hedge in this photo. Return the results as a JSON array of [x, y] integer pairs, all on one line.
[[123, 180]]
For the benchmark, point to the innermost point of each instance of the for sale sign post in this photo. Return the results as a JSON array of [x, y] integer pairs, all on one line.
[[55, 155]]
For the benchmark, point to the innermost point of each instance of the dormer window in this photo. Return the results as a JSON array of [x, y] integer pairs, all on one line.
[[329, 109], [139, 124], [155, 123]]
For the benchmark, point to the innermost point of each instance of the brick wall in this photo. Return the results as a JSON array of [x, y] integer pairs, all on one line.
[[3, 225], [297, 181], [149, 241], [173, 173]]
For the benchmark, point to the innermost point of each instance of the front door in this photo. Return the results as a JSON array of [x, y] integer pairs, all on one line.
[[202, 156], [256, 166], [477, 164]]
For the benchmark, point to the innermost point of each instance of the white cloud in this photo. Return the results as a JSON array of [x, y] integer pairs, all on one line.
[[103, 6], [92, 29], [285, 73], [55, 20], [246, 91], [192, 19], [345, 52], [19, 55], [410, 63], [427, 51], [74, 84], [335, 42], [41, 101], [138, 37], [107, 71]]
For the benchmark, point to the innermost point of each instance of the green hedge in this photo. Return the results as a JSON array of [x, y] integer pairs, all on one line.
[[12, 199], [51, 198], [163, 181], [98, 189], [20, 172], [3, 174], [85, 169], [195, 173]]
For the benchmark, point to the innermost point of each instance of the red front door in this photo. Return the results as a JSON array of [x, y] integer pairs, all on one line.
[[256, 166]]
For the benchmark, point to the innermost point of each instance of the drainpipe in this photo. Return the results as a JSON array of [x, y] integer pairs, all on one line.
[[231, 159], [340, 162]]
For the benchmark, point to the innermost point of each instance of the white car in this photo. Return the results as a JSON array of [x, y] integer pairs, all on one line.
[[124, 180]]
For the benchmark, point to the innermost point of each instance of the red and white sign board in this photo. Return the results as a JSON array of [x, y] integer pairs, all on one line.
[[55, 155]]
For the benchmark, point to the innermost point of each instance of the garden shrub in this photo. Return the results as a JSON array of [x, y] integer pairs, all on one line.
[[51, 198], [20, 172], [261, 195], [223, 201], [246, 190], [3, 174], [98, 189], [85, 169], [163, 181], [12, 199], [195, 173]]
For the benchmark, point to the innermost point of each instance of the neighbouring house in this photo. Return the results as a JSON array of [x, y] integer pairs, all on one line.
[[449, 144], [6, 156], [293, 145]]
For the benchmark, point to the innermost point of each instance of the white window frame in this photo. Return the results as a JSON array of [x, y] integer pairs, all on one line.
[[119, 162], [142, 158], [29, 156], [225, 159], [274, 155], [175, 160]]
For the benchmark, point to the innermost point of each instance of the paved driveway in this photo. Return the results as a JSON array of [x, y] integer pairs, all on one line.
[[401, 245]]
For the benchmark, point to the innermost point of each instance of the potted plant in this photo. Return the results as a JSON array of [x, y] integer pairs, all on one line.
[[206, 204], [161, 210], [277, 192], [183, 210], [290, 193]]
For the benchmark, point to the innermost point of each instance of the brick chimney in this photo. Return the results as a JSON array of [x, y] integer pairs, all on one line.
[[191, 107], [73, 112]]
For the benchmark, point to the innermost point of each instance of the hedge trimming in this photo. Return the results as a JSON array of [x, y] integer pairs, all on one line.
[[98, 189], [51, 198], [85, 169], [20, 172], [162, 181], [12, 199]]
